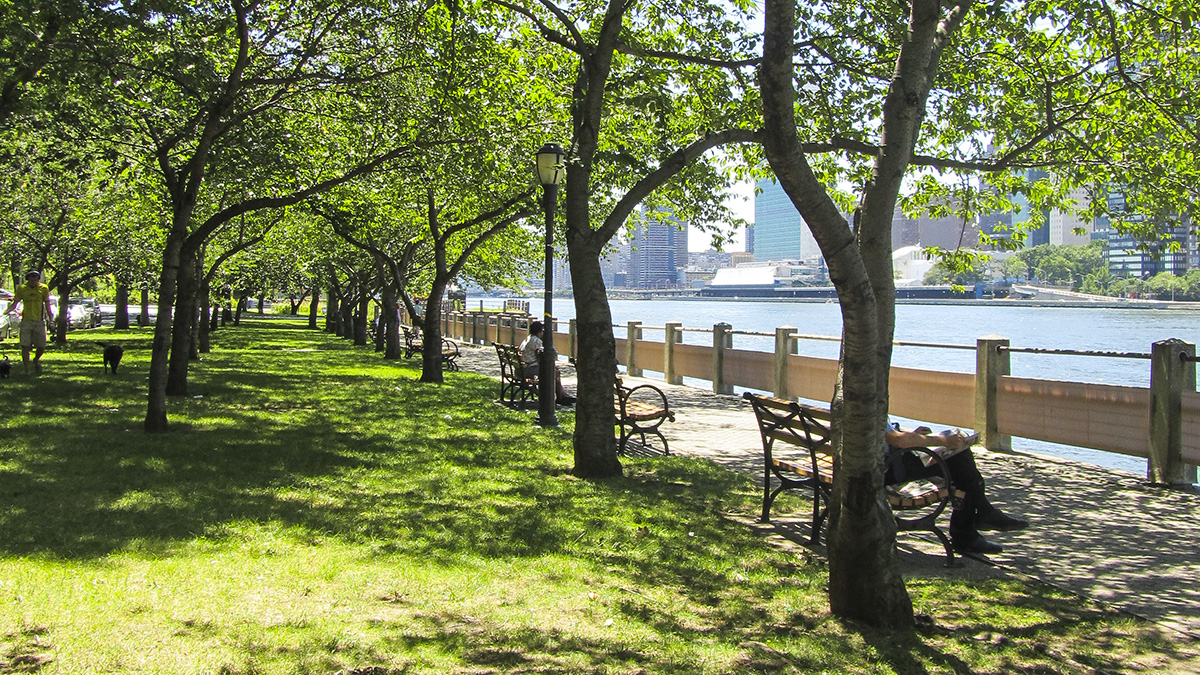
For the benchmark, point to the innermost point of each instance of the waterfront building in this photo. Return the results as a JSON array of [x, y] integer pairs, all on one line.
[[772, 273], [911, 265], [750, 238], [659, 251], [779, 232], [736, 259]]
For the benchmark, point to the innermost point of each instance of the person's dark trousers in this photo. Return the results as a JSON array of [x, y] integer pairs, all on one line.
[[963, 474]]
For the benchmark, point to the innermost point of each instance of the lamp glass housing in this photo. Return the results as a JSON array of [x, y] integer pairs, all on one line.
[[550, 169]]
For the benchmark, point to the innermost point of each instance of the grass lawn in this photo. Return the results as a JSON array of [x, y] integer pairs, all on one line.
[[316, 509]]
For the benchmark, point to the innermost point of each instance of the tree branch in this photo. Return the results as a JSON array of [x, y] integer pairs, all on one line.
[[669, 167]]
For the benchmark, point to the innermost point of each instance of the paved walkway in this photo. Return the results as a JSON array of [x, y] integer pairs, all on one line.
[[1101, 533]]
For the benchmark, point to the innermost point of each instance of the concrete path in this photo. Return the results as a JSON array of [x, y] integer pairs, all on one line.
[[1101, 533]]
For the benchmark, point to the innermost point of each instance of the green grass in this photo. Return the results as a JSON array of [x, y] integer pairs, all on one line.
[[317, 510]]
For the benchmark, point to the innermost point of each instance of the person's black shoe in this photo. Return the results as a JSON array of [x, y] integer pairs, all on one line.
[[566, 400], [976, 545], [999, 521]]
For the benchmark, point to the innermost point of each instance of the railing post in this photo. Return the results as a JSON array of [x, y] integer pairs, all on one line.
[[512, 323], [674, 335], [571, 337], [992, 362], [1170, 376], [785, 344], [633, 333], [722, 340]]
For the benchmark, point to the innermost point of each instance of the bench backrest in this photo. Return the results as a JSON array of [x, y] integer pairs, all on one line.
[[794, 423], [511, 366]]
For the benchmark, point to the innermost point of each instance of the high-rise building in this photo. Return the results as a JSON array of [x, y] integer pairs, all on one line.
[[779, 231], [1127, 257], [659, 255], [1038, 235], [948, 232], [750, 238], [1063, 224]]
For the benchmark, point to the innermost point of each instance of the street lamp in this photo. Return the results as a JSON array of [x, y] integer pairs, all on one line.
[[549, 173]]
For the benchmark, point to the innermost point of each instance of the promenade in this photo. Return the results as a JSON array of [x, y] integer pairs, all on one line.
[[1100, 533]]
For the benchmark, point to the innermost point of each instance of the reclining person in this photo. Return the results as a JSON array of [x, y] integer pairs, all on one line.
[[531, 353], [971, 514]]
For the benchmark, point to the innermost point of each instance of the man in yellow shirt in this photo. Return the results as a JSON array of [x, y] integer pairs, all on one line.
[[34, 298]]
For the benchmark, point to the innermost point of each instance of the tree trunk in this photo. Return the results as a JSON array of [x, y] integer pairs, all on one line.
[[595, 362], [346, 323], [144, 308], [360, 319], [61, 321], [389, 324], [431, 338], [203, 342], [262, 301], [121, 313], [156, 409], [181, 330], [333, 315], [193, 317], [241, 307], [314, 307]]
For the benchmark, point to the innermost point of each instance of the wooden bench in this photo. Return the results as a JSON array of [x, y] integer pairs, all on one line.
[[515, 388], [414, 344], [916, 504], [641, 410], [412, 340], [450, 354]]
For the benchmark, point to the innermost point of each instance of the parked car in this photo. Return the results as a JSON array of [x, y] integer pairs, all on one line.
[[83, 313]]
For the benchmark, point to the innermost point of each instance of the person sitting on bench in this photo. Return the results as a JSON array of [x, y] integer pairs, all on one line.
[[970, 515], [531, 353]]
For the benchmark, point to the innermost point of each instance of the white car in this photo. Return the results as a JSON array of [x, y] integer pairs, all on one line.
[[83, 313]]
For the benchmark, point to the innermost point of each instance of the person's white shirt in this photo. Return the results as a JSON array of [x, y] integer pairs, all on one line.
[[531, 348]]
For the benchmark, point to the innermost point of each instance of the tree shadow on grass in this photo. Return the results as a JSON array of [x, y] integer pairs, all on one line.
[[330, 445]]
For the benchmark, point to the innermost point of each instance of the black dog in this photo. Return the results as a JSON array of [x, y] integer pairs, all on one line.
[[112, 356], [5, 368]]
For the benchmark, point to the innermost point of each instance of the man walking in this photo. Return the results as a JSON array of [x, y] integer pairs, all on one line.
[[34, 298]]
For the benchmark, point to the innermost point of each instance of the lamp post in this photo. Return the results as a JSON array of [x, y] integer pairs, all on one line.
[[550, 173]]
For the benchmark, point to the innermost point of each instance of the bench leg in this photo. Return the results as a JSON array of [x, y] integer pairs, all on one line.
[[946, 545], [818, 518], [767, 498]]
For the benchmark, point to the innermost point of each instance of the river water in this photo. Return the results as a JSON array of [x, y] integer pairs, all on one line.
[[1090, 329]]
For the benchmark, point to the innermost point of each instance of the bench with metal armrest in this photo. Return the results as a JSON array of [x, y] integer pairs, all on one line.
[[805, 461], [515, 388]]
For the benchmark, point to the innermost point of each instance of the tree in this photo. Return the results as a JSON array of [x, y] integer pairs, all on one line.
[[1013, 267], [1038, 94], [230, 98], [949, 270], [655, 93], [61, 211]]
